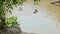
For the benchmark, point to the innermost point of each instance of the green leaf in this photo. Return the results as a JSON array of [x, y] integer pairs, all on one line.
[[36, 2], [11, 21]]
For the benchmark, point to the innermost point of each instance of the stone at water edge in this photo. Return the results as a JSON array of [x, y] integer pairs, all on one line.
[[13, 30]]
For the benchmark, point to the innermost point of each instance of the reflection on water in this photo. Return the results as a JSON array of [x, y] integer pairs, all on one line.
[[41, 22]]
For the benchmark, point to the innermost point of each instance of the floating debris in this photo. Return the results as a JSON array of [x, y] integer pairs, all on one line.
[[35, 11], [20, 9]]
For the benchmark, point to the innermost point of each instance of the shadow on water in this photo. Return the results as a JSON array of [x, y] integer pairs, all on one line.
[[57, 3]]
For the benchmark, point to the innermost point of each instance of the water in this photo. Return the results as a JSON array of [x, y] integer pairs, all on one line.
[[41, 22]]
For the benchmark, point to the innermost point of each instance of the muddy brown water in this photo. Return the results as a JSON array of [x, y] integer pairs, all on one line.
[[45, 21]]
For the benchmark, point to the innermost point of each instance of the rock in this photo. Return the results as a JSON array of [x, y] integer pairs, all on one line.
[[15, 29]]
